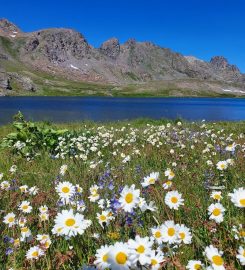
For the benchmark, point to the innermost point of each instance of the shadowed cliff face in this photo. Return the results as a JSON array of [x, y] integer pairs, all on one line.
[[67, 53]]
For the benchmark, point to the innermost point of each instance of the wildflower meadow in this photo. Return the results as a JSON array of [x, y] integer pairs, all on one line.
[[140, 194]]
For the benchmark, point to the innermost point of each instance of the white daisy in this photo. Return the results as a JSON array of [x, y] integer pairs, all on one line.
[[9, 219], [71, 224], [216, 211], [129, 198], [169, 231], [25, 207], [104, 218], [241, 255], [141, 249], [34, 253], [222, 165], [23, 189], [44, 240], [33, 190], [65, 190], [102, 255], [43, 209], [25, 233], [184, 234], [157, 234], [173, 199], [215, 257], [170, 174], [5, 185], [119, 257], [238, 197], [144, 206], [151, 179], [157, 258], [94, 197], [231, 147], [167, 184], [44, 216], [194, 265], [216, 195]]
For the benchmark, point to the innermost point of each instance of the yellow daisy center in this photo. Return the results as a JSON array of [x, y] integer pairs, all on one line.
[[153, 262], [129, 198], [182, 235], [35, 254], [242, 202], [171, 231], [24, 229], [24, 207], [70, 222], [102, 217], [169, 183], [197, 266], [217, 260], [140, 249], [174, 199], [171, 174], [43, 216], [158, 234], [105, 258], [152, 181], [217, 196], [121, 258], [65, 190], [216, 212], [11, 219]]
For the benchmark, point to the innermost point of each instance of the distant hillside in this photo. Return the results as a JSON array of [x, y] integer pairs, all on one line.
[[61, 61]]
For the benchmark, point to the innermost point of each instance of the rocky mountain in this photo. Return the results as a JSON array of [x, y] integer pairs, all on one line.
[[65, 53]]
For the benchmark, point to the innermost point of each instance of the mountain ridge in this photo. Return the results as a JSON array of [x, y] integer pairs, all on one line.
[[66, 53]]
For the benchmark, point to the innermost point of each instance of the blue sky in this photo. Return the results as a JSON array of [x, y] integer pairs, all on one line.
[[202, 28]]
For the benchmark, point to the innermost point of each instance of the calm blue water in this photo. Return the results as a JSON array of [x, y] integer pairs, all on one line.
[[67, 109]]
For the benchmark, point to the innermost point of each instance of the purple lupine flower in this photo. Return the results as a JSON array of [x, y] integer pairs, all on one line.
[[8, 251], [115, 204], [111, 186], [6, 239], [60, 203]]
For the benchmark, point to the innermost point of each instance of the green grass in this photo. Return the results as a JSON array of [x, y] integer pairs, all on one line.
[[191, 172]]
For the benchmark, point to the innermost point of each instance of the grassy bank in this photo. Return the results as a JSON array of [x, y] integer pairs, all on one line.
[[113, 156]]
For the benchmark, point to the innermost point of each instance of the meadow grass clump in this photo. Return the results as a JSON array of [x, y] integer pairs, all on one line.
[[142, 194]]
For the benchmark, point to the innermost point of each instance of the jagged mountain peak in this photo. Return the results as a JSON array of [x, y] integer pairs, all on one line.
[[111, 48], [221, 62], [8, 28], [67, 53]]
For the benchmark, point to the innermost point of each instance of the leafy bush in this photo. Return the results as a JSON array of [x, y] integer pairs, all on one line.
[[31, 138]]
